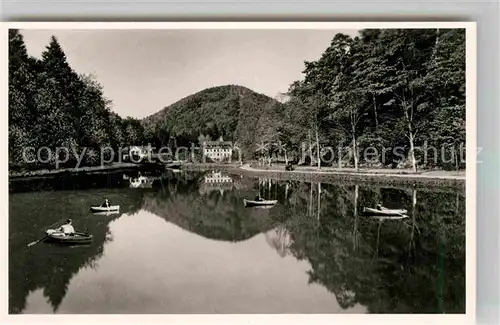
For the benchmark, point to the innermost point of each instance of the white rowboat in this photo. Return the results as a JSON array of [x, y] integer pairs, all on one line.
[[105, 209], [252, 203]]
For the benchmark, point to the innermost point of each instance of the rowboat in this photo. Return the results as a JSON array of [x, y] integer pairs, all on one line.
[[106, 213], [78, 238], [263, 207], [252, 203], [105, 209], [404, 216], [384, 212]]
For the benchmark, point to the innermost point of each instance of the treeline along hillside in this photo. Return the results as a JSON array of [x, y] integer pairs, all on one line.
[[384, 89]]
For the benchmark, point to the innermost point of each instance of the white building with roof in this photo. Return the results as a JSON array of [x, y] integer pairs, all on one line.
[[219, 150]]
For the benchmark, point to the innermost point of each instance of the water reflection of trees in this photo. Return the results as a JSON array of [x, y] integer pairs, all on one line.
[[213, 214], [390, 266], [279, 239], [52, 266], [415, 265]]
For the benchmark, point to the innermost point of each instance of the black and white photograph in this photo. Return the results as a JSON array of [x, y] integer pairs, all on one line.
[[287, 169]]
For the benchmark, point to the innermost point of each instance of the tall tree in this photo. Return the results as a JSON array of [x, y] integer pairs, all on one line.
[[407, 56], [447, 76], [22, 87]]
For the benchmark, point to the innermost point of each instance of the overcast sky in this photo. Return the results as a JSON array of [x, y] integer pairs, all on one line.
[[143, 71]]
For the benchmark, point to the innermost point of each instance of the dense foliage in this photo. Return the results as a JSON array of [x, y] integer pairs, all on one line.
[[384, 89], [52, 106], [392, 97]]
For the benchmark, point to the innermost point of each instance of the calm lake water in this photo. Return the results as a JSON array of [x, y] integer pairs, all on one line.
[[185, 243]]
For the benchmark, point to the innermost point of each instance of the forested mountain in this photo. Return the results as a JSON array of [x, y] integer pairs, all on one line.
[[230, 111], [387, 95]]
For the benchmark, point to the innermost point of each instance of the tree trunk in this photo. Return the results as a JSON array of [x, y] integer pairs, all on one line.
[[286, 158], [317, 149], [340, 158], [355, 233], [413, 218], [414, 202], [310, 148], [441, 267], [457, 165], [319, 201], [378, 239], [356, 195], [355, 152], [375, 111], [310, 200], [412, 150], [411, 134]]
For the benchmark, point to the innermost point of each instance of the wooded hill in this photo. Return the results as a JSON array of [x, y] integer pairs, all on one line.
[[385, 89], [230, 111]]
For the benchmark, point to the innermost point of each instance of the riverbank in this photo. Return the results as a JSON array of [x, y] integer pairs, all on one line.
[[208, 166], [300, 173], [438, 174], [115, 167], [386, 176]]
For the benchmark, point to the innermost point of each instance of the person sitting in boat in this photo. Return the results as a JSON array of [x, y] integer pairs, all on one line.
[[379, 207], [67, 228], [105, 204], [258, 198]]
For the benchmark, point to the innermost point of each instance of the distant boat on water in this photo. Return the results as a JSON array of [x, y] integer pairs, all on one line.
[[258, 203], [384, 212], [105, 209]]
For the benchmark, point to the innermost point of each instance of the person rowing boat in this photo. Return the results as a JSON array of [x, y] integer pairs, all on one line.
[[105, 204], [67, 228]]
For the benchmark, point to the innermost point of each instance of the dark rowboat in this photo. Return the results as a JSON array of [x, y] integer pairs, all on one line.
[[77, 239], [252, 203]]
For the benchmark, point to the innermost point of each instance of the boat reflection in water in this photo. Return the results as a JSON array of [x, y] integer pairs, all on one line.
[[182, 248]]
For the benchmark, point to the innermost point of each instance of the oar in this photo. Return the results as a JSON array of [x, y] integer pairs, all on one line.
[[45, 237], [37, 241]]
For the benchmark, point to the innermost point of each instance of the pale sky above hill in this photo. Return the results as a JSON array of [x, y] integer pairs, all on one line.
[[143, 71]]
